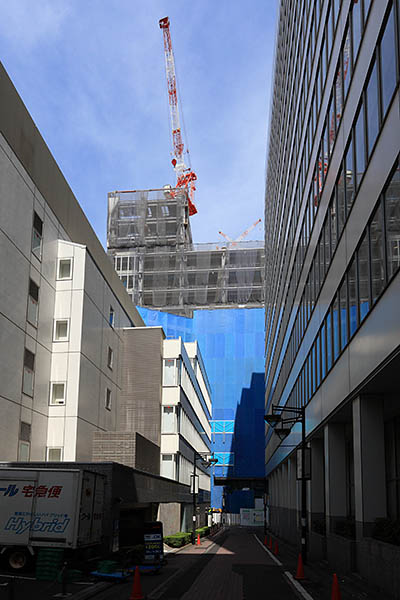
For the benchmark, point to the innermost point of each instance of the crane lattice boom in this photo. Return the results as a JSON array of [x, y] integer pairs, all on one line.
[[185, 176]]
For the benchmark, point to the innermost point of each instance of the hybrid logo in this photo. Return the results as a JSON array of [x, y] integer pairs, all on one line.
[[20, 525]]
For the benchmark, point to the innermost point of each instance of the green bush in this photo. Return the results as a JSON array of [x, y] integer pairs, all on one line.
[[387, 530], [178, 539], [203, 531]]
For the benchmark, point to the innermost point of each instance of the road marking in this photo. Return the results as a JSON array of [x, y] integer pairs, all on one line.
[[278, 562], [298, 586], [159, 590]]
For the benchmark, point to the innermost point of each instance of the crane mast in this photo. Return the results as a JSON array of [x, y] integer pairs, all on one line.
[[185, 176]]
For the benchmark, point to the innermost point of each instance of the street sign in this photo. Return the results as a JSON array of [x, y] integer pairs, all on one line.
[[196, 487]]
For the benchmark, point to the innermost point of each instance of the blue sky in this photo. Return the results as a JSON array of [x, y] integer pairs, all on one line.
[[91, 73]]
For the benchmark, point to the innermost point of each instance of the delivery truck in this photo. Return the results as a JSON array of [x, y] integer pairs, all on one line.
[[53, 508]]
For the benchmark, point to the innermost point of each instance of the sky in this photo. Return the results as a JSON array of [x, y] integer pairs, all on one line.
[[92, 75]]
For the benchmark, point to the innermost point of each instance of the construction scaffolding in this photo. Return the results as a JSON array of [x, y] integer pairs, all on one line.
[[150, 241]]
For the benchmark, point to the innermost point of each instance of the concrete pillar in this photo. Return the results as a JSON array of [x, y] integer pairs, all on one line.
[[316, 488], [369, 463], [335, 475]]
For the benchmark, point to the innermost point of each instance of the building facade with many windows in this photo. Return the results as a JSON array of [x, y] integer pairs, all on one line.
[[332, 245]]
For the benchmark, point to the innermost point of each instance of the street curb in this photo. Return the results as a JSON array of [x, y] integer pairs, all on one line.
[[297, 587]]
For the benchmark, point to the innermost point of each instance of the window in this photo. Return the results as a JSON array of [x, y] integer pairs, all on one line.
[[363, 276], [25, 432], [372, 109], [108, 399], [377, 253], [357, 28], [33, 303], [343, 314], [392, 217], [336, 328], [24, 451], [388, 62], [169, 372], [37, 235], [54, 454], [341, 206], [349, 179], [353, 316], [169, 421], [61, 330], [124, 263], [57, 393], [28, 374], [111, 317], [64, 268], [360, 145], [110, 358]]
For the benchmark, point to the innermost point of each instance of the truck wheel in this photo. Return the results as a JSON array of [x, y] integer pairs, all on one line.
[[18, 559]]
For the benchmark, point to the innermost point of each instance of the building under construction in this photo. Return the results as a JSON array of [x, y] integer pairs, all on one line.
[[150, 239], [201, 292]]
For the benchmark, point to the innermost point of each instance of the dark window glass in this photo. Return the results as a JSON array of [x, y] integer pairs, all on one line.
[[357, 28], [124, 263], [327, 231], [338, 95], [335, 326], [328, 321], [29, 359], [323, 62], [377, 253], [363, 276], [367, 4], [323, 352], [341, 204], [331, 125], [392, 216], [333, 209], [360, 145], [37, 224], [329, 31], [352, 296], [349, 170], [372, 109], [388, 62], [336, 8], [318, 359], [346, 62], [33, 290], [322, 256], [343, 313]]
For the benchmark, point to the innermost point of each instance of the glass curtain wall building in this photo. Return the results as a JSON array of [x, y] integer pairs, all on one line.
[[332, 244]]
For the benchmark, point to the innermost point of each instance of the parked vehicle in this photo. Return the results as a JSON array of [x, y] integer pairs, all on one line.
[[52, 508]]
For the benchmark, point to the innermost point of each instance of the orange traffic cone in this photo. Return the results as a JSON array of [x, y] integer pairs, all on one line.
[[336, 595], [300, 568], [137, 587], [198, 540], [270, 542], [276, 548]]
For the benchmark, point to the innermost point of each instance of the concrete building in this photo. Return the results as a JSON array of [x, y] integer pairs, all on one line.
[[186, 413], [62, 307], [212, 293], [332, 304]]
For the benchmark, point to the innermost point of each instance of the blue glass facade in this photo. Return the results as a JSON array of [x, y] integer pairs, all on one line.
[[232, 346]]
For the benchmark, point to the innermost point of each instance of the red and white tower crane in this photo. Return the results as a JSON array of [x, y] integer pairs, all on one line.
[[185, 177], [241, 237]]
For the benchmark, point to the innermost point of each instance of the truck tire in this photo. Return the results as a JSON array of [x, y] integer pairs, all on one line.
[[18, 559]]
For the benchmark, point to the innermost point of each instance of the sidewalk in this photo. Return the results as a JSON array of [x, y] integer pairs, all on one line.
[[318, 582]]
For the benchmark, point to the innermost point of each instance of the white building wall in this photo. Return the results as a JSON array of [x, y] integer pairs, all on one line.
[[81, 361], [180, 430]]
